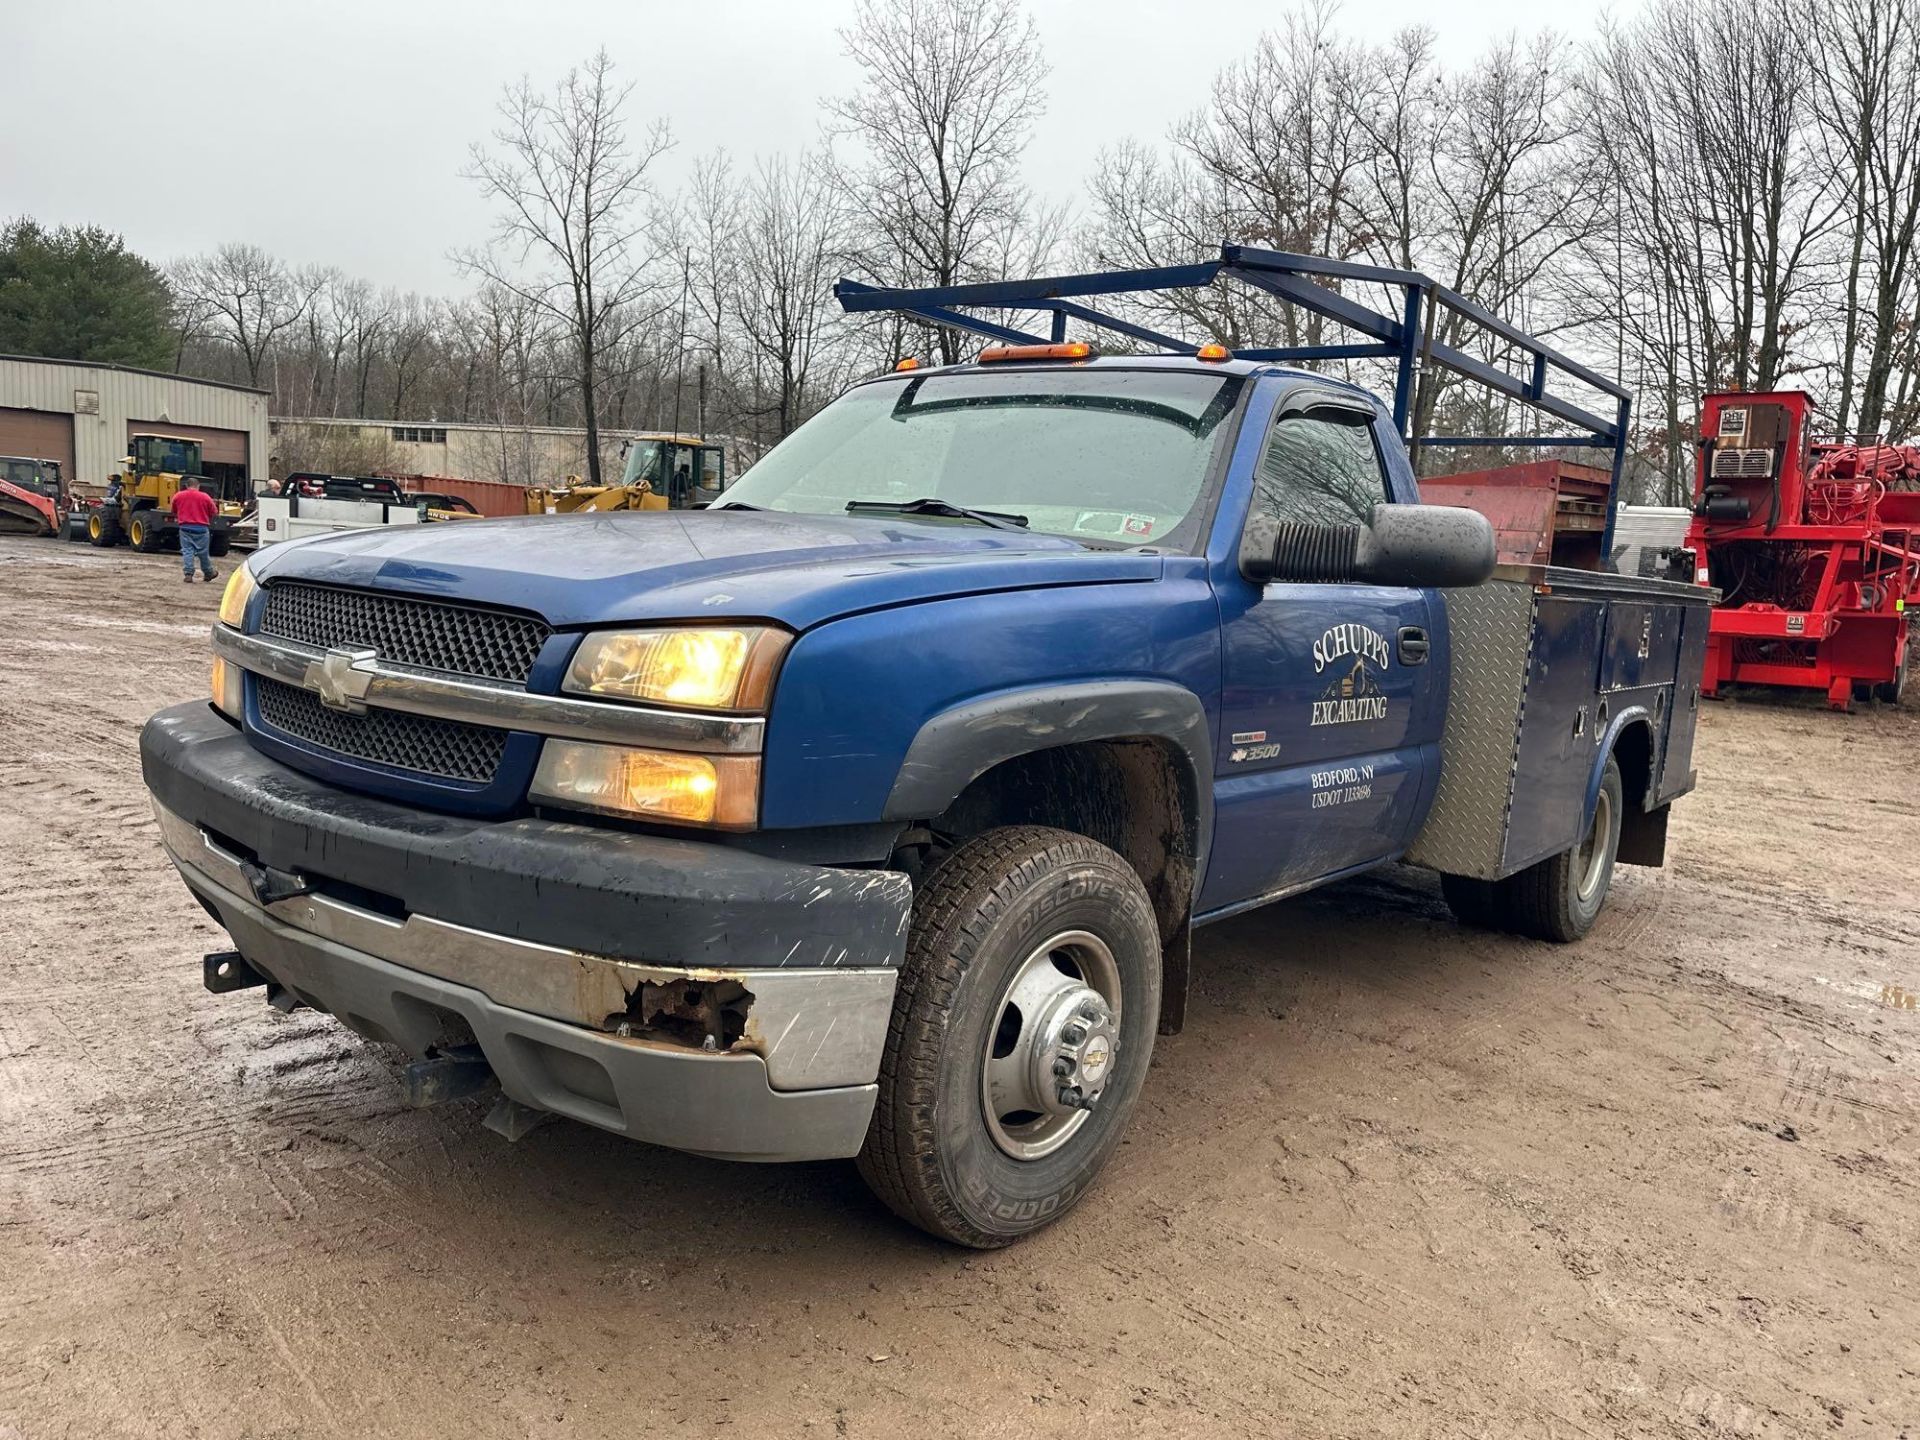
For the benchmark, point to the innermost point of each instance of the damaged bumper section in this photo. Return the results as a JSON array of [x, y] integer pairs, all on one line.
[[683, 993]]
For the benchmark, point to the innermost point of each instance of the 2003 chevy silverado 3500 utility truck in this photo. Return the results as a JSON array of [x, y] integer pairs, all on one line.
[[868, 812]]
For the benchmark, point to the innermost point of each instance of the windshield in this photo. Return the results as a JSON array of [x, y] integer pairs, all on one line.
[[643, 463], [1113, 456], [30, 474], [164, 455]]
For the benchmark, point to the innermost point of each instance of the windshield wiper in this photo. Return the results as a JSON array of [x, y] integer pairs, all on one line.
[[934, 505]]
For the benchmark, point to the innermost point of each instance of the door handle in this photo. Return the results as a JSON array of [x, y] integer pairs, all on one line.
[[1413, 645]]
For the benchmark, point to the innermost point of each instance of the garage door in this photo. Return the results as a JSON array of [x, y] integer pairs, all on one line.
[[38, 435], [217, 447]]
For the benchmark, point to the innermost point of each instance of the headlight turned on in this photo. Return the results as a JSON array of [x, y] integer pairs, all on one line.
[[228, 680], [233, 600], [693, 667], [722, 791]]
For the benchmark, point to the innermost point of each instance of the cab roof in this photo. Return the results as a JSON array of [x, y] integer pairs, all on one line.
[[1245, 369]]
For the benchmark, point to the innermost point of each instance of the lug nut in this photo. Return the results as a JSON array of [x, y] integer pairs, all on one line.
[[1090, 1013], [1071, 1097], [1073, 1034], [1063, 1066]]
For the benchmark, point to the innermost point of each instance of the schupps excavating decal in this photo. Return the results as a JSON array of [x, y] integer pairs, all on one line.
[[1353, 691]]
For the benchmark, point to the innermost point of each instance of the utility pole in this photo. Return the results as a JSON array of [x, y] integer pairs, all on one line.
[[680, 341]]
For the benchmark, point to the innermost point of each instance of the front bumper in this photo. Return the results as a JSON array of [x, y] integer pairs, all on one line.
[[426, 930]]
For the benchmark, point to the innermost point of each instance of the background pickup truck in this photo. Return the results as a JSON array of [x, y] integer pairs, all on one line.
[[869, 812]]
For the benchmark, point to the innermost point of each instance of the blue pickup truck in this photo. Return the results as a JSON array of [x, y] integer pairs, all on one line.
[[869, 812]]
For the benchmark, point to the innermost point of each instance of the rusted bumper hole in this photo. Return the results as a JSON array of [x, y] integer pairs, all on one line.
[[704, 1014]]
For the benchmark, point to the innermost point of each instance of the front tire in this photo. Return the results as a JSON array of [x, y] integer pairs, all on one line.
[[1032, 964], [103, 528]]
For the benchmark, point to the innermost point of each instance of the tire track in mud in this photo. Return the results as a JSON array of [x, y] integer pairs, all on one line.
[[1395, 1178]]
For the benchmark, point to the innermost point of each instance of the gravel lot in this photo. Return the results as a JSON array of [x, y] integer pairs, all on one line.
[[1395, 1179]]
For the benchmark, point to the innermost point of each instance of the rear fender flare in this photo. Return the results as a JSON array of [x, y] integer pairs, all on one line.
[[1617, 726]]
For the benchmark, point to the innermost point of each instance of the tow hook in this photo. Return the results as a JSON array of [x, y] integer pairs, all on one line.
[[270, 885]]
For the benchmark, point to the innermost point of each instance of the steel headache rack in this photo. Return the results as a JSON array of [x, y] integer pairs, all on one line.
[[1406, 338]]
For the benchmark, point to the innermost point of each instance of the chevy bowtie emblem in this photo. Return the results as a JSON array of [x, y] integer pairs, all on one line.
[[341, 680]]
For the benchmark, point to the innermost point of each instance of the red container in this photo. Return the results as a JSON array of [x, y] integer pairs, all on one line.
[[1544, 512], [489, 497]]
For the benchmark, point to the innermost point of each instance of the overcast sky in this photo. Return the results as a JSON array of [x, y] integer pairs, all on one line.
[[334, 134]]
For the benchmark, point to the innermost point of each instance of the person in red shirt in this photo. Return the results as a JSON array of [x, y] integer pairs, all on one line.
[[193, 512]]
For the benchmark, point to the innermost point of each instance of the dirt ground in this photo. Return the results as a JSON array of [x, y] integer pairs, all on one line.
[[1395, 1179]]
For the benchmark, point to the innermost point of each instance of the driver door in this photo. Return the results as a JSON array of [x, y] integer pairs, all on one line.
[[1330, 713]]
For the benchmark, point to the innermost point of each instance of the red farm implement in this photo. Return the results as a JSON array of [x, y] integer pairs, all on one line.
[[1815, 549]]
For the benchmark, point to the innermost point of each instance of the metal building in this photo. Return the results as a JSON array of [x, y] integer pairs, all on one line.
[[471, 450], [81, 414]]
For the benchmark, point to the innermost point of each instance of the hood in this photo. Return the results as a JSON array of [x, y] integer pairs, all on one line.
[[634, 566]]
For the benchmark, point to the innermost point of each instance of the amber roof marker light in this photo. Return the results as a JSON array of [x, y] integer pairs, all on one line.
[[1069, 350], [910, 363], [1213, 350]]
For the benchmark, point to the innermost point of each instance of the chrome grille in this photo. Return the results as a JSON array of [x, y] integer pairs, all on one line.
[[428, 634], [445, 748]]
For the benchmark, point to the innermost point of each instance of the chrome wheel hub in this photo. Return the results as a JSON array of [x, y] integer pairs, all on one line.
[[1050, 1054]]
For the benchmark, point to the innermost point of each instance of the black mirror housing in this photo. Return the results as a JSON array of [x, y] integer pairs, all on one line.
[[1426, 545], [1441, 546]]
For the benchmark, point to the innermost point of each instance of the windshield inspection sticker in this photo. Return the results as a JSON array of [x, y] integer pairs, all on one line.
[[1139, 525], [1353, 690]]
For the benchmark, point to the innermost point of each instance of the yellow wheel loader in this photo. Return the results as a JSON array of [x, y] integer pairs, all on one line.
[[137, 509], [661, 472]]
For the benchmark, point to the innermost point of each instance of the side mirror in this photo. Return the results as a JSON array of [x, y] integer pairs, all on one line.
[[1415, 545]]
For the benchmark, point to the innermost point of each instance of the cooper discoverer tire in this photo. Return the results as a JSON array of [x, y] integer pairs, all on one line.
[[1008, 911], [1560, 897]]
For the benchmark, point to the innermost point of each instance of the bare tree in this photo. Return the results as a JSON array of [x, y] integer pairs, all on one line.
[[1312, 143], [949, 93], [361, 317], [791, 242], [416, 329], [1869, 76], [1726, 88], [247, 297], [1717, 264], [569, 241], [1280, 140], [712, 234], [1503, 204]]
